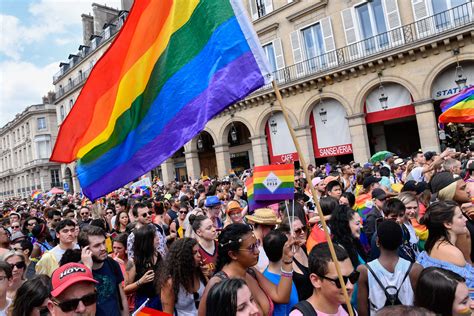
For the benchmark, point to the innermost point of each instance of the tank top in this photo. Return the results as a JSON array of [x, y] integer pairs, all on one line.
[[302, 282], [209, 260], [187, 303], [376, 294]]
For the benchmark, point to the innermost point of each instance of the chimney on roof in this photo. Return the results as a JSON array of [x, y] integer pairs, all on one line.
[[102, 15], [127, 5], [87, 28]]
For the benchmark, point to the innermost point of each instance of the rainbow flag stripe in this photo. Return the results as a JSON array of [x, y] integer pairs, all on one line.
[[252, 204], [174, 65], [363, 205], [36, 195], [283, 191], [458, 108]]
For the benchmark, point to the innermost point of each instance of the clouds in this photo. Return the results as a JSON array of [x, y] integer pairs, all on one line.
[[18, 91], [34, 38]]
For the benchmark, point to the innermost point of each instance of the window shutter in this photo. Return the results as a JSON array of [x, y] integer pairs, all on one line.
[[297, 52], [279, 58], [328, 39], [350, 32], [420, 13], [253, 9], [268, 6], [392, 18]]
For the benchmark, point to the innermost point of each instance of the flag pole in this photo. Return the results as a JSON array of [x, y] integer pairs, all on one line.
[[313, 191]]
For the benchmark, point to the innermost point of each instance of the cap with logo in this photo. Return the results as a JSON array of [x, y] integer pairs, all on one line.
[[70, 274]]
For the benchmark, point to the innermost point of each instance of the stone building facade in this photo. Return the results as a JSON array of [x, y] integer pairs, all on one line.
[[25, 147], [356, 76]]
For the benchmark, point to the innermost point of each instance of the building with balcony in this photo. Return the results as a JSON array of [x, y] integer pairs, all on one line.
[[25, 147], [99, 30], [357, 77]]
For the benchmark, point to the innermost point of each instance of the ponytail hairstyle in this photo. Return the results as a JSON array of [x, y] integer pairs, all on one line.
[[196, 221]]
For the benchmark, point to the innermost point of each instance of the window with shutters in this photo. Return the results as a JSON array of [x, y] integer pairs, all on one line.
[[270, 53], [61, 113], [260, 8], [314, 47], [372, 25]]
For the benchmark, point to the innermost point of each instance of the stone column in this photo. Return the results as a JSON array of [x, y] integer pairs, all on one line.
[[427, 126], [192, 164], [259, 150], [359, 137], [167, 171], [222, 159], [303, 135]]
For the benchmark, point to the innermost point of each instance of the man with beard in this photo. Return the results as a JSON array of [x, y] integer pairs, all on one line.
[[111, 298]]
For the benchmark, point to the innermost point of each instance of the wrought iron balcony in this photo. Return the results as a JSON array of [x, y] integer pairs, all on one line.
[[430, 27]]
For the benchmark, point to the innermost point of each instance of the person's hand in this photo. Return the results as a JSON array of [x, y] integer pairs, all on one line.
[[148, 277], [205, 270], [288, 249], [86, 257]]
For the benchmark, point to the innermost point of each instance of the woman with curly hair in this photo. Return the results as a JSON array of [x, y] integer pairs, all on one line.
[[32, 297], [346, 226], [236, 255], [143, 269], [121, 222], [182, 281]]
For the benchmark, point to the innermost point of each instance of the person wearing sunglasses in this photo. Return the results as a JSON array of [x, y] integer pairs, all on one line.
[[327, 297], [32, 297], [144, 216], [176, 226], [16, 260], [389, 273], [73, 291]]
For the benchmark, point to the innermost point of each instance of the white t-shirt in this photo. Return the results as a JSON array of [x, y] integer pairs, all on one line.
[[3, 312]]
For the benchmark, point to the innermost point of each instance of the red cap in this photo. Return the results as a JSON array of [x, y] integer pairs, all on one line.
[[69, 274]]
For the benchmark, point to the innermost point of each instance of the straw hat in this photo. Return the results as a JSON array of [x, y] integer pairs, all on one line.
[[233, 205], [264, 216]]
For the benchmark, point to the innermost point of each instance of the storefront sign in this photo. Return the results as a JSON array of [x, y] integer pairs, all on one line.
[[335, 150], [280, 144], [445, 86]]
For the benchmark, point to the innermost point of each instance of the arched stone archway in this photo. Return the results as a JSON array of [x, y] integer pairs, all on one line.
[[205, 147]]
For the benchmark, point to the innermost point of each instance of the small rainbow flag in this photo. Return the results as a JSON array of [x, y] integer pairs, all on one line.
[[253, 205], [459, 108], [274, 182], [148, 311], [174, 65], [36, 195], [363, 205]]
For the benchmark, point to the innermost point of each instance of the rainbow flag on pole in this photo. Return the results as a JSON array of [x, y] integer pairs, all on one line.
[[274, 182], [174, 65], [36, 195], [458, 108], [363, 205]]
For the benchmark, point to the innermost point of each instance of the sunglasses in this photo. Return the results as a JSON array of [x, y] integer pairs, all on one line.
[[110, 213], [183, 212], [353, 277], [253, 247], [71, 305], [299, 231], [18, 265], [14, 227], [147, 214], [83, 214]]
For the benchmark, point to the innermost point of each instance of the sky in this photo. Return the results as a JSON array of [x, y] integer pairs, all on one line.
[[35, 36]]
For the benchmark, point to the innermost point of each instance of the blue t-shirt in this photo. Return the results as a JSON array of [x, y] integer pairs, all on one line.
[[110, 278], [282, 309]]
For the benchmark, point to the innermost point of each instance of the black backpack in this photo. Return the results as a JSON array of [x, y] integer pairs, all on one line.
[[391, 299], [307, 309]]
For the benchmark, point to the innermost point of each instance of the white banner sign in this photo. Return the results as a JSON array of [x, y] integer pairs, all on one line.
[[282, 145], [445, 86], [143, 182], [333, 136], [397, 96]]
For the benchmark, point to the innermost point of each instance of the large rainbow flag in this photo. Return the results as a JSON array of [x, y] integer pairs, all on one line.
[[174, 65], [274, 182], [363, 205], [459, 108]]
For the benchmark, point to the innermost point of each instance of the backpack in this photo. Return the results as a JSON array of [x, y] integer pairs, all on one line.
[[391, 299], [307, 309]]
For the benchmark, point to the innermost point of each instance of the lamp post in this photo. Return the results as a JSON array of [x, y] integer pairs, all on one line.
[[460, 78], [233, 133], [383, 98], [200, 143], [273, 126], [323, 114]]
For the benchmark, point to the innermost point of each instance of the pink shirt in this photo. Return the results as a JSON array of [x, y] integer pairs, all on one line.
[[340, 312]]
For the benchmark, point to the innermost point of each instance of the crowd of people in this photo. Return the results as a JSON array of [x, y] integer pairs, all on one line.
[[401, 230]]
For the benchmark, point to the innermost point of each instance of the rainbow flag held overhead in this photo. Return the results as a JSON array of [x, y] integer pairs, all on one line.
[[459, 108], [174, 65], [252, 204], [363, 205], [36, 195], [274, 182]]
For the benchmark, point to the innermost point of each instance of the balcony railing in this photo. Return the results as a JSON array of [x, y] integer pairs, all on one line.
[[73, 83], [104, 36], [397, 38]]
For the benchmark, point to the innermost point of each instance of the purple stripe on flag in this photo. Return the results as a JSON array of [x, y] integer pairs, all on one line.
[[273, 197], [228, 85]]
